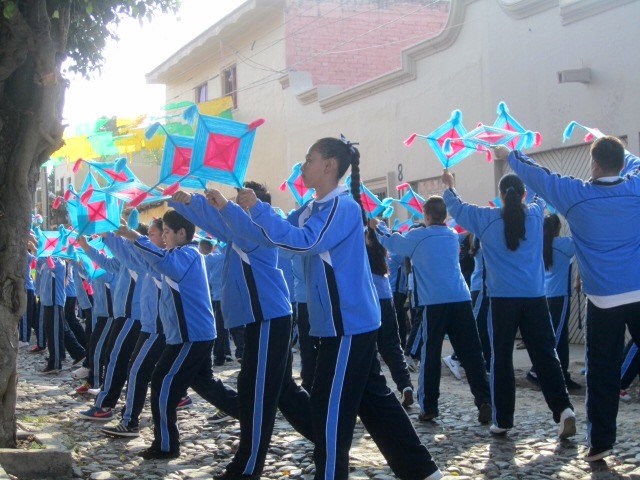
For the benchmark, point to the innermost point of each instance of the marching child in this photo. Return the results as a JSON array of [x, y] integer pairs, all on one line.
[[343, 311], [442, 290], [511, 239], [187, 320], [254, 295]]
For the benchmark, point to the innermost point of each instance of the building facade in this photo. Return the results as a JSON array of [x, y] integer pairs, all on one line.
[[378, 71]]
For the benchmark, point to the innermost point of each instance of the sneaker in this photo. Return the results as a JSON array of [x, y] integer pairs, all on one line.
[[485, 414], [77, 361], [94, 391], [625, 396], [50, 371], [594, 454], [496, 430], [437, 475], [23, 344], [521, 345], [37, 349], [97, 414], [81, 373], [219, 416], [84, 388], [407, 397], [153, 454], [453, 365], [571, 385], [411, 364], [120, 430], [427, 417], [185, 402], [567, 424]]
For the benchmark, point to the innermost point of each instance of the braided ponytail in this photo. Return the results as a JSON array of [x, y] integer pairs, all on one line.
[[355, 181]]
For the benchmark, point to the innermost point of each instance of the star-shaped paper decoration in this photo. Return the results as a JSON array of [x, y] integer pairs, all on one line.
[[410, 200], [506, 122], [372, 205], [222, 148], [452, 128], [301, 193]]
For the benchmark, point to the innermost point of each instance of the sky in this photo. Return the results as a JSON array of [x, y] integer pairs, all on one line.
[[121, 89]]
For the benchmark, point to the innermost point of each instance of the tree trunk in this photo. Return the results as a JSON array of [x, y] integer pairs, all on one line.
[[31, 99]]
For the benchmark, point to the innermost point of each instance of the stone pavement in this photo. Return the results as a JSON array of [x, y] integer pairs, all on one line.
[[463, 448]]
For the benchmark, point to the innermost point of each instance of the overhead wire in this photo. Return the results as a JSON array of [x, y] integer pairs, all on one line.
[[331, 51]]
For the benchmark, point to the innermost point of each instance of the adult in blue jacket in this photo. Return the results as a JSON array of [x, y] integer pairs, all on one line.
[[602, 214]]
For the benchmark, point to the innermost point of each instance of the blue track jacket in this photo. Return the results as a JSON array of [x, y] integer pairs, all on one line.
[[604, 220], [511, 274], [341, 297], [254, 289], [435, 253], [185, 304]]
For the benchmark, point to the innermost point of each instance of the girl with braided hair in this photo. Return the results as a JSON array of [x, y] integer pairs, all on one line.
[[511, 239], [344, 313]]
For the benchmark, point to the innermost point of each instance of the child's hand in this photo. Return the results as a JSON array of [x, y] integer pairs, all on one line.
[[246, 198], [373, 223], [122, 231], [82, 242], [501, 152], [216, 199], [181, 197], [447, 178]]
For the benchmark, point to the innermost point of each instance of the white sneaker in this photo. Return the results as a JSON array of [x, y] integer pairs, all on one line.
[[23, 344], [625, 396], [567, 424], [81, 373], [437, 475], [453, 365], [93, 391], [496, 430]]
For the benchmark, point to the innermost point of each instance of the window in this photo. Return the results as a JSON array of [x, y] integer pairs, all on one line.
[[202, 93], [230, 84], [428, 187]]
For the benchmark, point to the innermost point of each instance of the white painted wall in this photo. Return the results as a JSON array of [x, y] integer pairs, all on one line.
[[495, 57]]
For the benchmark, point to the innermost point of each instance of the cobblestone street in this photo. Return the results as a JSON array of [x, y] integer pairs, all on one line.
[[461, 447]]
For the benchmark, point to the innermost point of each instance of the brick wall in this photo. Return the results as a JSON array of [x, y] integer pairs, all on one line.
[[344, 43]]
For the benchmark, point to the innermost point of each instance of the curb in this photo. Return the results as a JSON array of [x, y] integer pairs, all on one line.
[[53, 461]]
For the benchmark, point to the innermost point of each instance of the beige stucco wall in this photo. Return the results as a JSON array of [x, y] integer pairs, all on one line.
[[495, 57], [503, 52]]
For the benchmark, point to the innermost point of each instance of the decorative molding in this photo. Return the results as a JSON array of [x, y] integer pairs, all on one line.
[[575, 10], [519, 9], [409, 58]]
